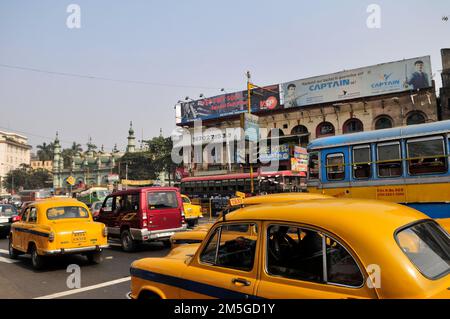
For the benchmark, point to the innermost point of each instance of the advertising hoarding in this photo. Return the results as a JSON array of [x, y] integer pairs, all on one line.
[[262, 99], [405, 75]]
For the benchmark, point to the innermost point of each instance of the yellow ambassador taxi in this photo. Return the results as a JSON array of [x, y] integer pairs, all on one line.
[[335, 248], [191, 212], [57, 226], [197, 234]]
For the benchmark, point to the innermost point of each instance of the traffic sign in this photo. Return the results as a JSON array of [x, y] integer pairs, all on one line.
[[70, 180]]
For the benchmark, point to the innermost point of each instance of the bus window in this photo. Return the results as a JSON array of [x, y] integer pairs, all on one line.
[[335, 167], [389, 160], [247, 188], [313, 166], [240, 185], [426, 156], [361, 162]]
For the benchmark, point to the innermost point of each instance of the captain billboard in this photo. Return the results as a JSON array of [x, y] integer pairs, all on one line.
[[404, 75]]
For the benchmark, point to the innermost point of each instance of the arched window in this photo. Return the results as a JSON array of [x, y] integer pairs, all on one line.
[[280, 132], [352, 126], [382, 122], [299, 129], [415, 117], [325, 129], [303, 131]]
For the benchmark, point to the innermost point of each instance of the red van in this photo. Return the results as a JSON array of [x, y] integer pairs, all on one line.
[[143, 214]]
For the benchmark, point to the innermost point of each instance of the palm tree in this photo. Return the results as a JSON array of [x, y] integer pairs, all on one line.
[[76, 148], [45, 152]]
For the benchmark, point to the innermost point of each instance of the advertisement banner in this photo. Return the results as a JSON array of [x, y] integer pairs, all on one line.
[[249, 123], [405, 75], [262, 99], [278, 153], [299, 163]]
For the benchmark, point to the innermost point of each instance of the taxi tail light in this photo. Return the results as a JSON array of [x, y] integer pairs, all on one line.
[[105, 231], [51, 236]]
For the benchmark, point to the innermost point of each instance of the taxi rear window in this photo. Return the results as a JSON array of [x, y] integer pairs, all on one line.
[[66, 212], [428, 248]]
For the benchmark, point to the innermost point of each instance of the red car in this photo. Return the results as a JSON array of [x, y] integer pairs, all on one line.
[[143, 214]]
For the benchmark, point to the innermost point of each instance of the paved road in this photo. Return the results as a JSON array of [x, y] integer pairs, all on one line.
[[108, 280]]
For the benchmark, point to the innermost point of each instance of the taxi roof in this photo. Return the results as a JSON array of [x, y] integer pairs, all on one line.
[[282, 197], [57, 201], [340, 216]]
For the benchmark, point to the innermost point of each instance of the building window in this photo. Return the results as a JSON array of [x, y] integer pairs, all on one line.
[[389, 160], [415, 118], [426, 156], [352, 126], [325, 129], [303, 132], [362, 162], [274, 132], [335, 167], [383, 122]]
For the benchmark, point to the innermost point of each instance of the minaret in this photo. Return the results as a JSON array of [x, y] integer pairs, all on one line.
[[57, 167], [131, 147]]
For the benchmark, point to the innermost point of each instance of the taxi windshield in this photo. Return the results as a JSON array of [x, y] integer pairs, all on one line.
[[66, 212], [428, 248]]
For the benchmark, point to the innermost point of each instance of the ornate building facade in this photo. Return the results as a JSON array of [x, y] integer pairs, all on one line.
[[90, 168]]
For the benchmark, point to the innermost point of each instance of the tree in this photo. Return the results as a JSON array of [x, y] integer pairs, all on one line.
[[136, 166], [45, 151], [27, 178], [160, 149], [69, 153]]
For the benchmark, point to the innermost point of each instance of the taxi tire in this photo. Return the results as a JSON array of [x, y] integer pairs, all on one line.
[[95, 257], [37, 260], [13, 253], [128, 244]]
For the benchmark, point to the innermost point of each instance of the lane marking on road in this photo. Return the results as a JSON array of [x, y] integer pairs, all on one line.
[[76, 291], [8, 261], [109, 257], [4, 251]]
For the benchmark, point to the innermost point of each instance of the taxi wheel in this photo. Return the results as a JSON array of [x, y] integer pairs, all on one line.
[[128, 244], [95, 257], [36, 259], [13, 253]]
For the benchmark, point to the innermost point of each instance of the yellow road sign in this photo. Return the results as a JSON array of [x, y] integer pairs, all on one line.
[[70, 180]]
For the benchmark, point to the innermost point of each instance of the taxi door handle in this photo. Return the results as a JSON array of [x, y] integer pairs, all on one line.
[[240, 282]]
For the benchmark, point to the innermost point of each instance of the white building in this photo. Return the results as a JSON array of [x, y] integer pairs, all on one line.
[[14, 150]]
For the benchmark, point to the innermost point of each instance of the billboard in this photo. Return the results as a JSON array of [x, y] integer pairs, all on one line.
[[405, 75], [266, 98]]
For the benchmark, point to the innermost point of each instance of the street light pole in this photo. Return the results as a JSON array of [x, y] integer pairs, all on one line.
[[249, 104]]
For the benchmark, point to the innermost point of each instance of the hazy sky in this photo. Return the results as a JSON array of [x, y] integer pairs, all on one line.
[[194, 46]]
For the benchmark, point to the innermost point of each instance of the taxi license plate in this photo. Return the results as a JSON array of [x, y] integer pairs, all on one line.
[[79, 236]]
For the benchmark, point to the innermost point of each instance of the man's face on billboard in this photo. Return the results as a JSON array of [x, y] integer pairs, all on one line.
[[291, 90], [419, 67]]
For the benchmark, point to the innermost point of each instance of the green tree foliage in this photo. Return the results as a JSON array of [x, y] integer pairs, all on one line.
[[27, 178], [148, 164], [136, 166], [69, 153], [45, 151]]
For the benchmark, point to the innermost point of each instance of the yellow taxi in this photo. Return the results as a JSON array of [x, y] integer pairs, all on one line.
[[191, 212], [197, 234], [57, 226], [335, 248]]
